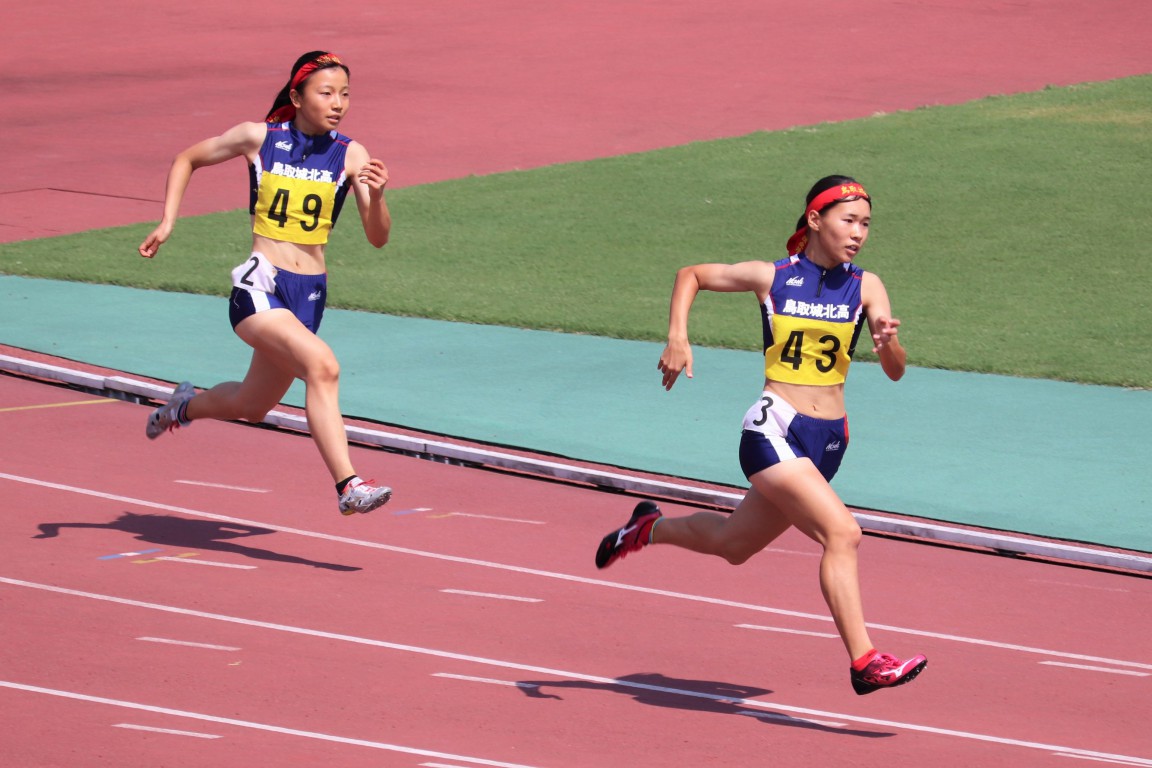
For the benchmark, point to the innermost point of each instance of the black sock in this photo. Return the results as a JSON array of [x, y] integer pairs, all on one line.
[[340, 486]]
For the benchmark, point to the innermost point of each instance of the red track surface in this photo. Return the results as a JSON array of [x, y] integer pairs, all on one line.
[[443, 89], [340, 641]]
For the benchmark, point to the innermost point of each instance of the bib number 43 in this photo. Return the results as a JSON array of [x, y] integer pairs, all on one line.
[[793, 351]]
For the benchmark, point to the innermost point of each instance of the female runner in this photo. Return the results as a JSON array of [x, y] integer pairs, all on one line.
[[813, 304], [300, 170]]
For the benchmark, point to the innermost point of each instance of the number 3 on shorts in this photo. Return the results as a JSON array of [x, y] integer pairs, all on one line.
[[765, 404]]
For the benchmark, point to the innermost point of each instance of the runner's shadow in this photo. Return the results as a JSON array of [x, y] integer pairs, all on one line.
[[182, 533], [658, 690]]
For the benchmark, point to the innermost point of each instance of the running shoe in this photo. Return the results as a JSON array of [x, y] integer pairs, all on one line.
[[167, 417], [629, 538], [885, 671], [363, 497]]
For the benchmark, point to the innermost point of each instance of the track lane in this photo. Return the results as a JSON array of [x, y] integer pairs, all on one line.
[[601, 636]]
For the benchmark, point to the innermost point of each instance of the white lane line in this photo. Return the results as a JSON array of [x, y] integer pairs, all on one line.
[[567, 577], [1114, 762], [786, 718], [491, 595], [1079, 586], [167, 730], [1091, 668], [256, 726], [438, 765], [487, 680], [789, 631], [223, 487], [560, 673], [779, 551], [207, 646], [494, 517], [202, 562]]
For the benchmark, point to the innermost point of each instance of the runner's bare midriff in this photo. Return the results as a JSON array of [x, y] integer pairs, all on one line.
[[293, 257], [825, 402]]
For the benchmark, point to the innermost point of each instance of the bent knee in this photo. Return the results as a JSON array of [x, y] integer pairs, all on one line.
[[254, 414], [846, 535], [736, 554], [324, 370]]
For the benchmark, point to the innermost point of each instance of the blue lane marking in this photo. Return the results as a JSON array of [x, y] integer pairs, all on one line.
[[131, 554]]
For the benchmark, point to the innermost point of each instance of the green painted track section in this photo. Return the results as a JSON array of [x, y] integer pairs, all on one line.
[[1048, 458]]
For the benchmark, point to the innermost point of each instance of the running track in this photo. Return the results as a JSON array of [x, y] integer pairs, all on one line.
[[198, 601], [319, 640], [443, 88]]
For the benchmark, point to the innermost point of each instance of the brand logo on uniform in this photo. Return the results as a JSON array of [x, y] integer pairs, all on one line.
[[795, 281], [284, 145], [833, 446], [315, 296]]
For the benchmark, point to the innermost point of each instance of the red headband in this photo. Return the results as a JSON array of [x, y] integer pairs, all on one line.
[[288, 111], [799, 241]]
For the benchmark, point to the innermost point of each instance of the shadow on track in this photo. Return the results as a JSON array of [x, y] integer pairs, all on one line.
[[182, 533], [657, 690]]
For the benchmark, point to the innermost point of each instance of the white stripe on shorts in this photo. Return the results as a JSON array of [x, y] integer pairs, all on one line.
[[780, 445], [259, 300]]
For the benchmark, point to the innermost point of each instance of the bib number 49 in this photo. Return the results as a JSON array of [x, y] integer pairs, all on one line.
[[312, 206]]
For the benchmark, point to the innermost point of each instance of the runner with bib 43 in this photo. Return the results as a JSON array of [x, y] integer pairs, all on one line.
[[813, 305]]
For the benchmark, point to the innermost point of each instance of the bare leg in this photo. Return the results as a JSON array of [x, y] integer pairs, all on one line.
[[261, 390], [804, 497], [285, 350], [786, 494], [753, 525]]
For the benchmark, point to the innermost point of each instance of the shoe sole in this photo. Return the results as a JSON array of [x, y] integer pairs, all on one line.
[[866, 688]]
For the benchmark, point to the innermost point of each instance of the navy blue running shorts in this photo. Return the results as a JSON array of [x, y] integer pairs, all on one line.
[[775, 432], [303, 295]]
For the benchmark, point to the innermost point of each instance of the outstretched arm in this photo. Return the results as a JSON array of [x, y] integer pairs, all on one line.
[[243, 139]]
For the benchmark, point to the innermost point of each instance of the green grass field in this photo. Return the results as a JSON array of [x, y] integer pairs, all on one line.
[[1009, 232]]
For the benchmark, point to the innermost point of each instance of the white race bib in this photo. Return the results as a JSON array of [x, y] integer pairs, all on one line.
[[255, 274], [770, 415]]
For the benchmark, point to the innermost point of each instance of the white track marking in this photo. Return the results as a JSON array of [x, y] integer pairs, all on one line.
[[789, 631], [200, 562], [778, 551], [491, 595], [223, 487], [255, 726], [527, 668], [494, 517], [567, 577], [487, 680], [166, 730], [207, 646], [1099, 759], [1096, 669], [1079, 586]]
